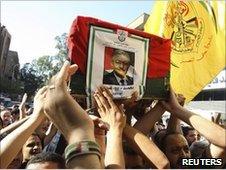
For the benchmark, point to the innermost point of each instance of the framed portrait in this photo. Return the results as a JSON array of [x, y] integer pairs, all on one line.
[[117, 60]]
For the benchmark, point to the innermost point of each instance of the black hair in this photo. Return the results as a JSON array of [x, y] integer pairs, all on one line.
[[27, 106], [127, 149], [186, 130], [158, 138], [48, 157], [1, 121], [15, 111], [161, 143]]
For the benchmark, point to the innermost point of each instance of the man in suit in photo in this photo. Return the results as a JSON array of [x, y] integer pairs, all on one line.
[[120, 64]]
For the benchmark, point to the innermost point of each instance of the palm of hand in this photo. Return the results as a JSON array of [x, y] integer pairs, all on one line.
[[57, 93], [115, 118], [39, 100], [108, 110]]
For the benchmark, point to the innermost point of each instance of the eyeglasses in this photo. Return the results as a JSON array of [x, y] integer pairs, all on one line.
[[122, 62]]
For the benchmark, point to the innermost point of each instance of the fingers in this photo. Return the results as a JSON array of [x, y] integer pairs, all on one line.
[[106, 90], [134, 96], [212, 119], [41, 91], [94, 118], [24, 98], [180, 99], [64, 71], [98, 122], [61, 78], [109, 99], [100, 108], [181, 96], [72, 70], [104, 125], [218, 118], [103, 100], [121, 108]]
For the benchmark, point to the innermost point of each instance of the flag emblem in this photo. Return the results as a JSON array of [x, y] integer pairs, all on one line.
[[122, 35], [187, 30]]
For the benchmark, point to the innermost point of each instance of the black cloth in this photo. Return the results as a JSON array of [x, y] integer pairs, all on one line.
[[110, 78]]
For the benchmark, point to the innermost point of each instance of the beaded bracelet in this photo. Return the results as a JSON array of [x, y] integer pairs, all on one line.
[[81, 148]]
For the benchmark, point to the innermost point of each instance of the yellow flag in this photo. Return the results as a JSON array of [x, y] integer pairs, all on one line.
[[197, 30]]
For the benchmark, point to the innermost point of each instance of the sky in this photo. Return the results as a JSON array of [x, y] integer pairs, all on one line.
[[34, 25]]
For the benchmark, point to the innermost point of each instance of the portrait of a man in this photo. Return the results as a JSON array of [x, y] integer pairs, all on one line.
[[120, 63]]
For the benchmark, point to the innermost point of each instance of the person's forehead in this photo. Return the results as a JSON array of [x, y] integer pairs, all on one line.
[[122, 57], [192, 131], [5, 113], [45, 122], [33, 138]]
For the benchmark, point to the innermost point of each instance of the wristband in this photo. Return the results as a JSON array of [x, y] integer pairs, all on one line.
[[81, 148]]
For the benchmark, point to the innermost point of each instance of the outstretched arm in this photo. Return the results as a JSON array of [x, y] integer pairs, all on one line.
[[147, 122], [22, 107], [69, 117], [208, 129], [174, 125], [145, 147], [100, 128], [13, 126], [141, 144], [52, 131], [12, 144], [174, 122], [115, 117], [213, 150]]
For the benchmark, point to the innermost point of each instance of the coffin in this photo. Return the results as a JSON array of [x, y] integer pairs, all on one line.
[[125, 60]]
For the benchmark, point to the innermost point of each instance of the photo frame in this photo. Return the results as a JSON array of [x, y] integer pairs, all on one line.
[[115, 57]]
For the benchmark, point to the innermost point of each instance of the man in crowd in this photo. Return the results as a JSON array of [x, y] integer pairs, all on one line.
[[6, 117], [46, 160], [190, 134], [32, 147]]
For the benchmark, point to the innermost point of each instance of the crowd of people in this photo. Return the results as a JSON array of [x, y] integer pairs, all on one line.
[[61, 133]]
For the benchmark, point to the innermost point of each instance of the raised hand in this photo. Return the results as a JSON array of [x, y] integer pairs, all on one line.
[[39, 101], [57, 91], [115, 117], [12, 144], [98, 123], [172, 103], [64, 111], [22, 106], [24, 99], [216, 118], [181, 99], [108, 110]]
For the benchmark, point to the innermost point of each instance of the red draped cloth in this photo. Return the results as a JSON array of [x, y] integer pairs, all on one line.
[[158, 54]]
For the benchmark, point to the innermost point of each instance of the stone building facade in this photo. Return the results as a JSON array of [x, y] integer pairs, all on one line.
[[9, 61], [4, 49]]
